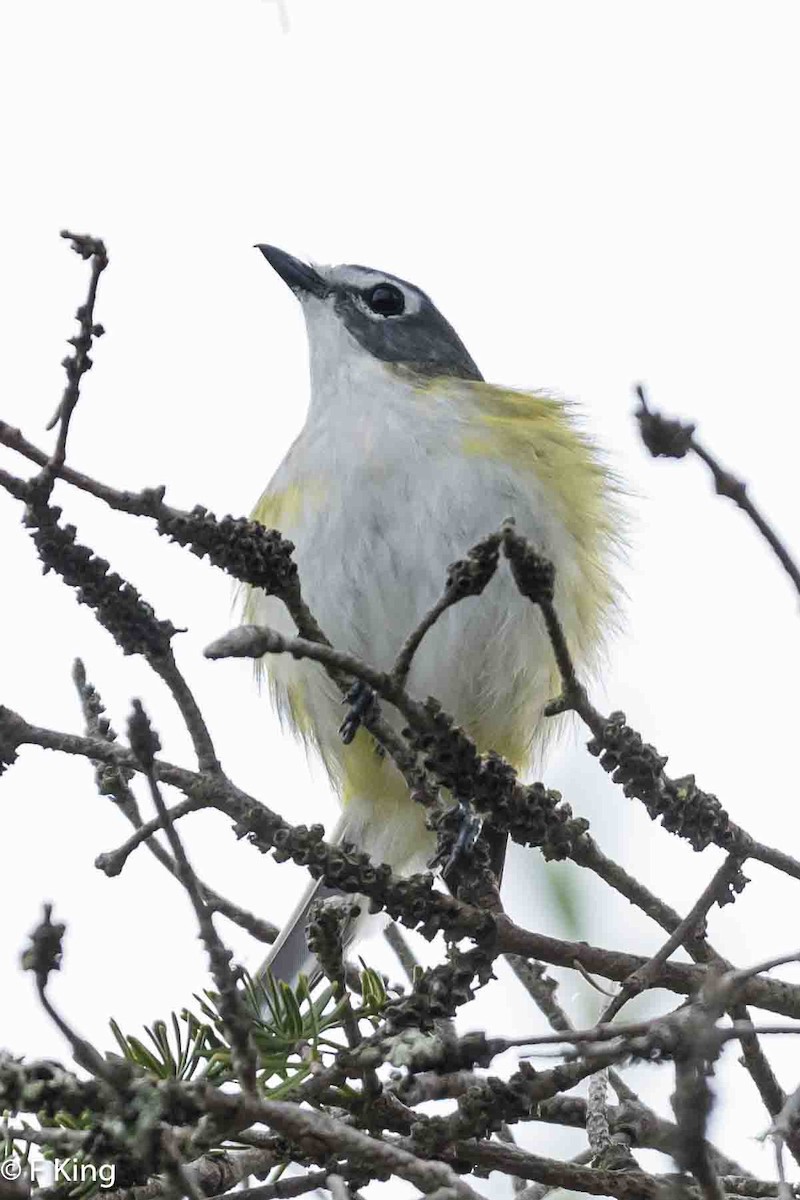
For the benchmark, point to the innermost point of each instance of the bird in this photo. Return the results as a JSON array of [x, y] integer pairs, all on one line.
[[407, 458]]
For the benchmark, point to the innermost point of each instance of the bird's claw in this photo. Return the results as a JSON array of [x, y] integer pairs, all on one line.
[[467, 834], [361, 699]]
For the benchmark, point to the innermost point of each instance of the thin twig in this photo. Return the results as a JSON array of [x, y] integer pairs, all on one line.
[[79, 362], [672, 439], [717, 891], [42, 957], [235, 1018], [167, 669], [114, 784]]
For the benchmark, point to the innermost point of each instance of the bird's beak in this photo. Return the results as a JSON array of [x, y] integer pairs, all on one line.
[[302, 279]]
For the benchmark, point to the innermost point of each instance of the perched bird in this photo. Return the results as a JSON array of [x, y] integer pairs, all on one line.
[[406, 459]]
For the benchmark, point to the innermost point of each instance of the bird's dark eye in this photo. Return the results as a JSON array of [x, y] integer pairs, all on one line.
[[386, 300]]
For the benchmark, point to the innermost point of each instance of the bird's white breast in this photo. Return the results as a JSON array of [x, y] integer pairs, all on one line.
[[384, 497]]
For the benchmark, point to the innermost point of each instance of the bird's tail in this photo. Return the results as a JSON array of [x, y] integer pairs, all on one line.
[[389, 827], [290, 955]]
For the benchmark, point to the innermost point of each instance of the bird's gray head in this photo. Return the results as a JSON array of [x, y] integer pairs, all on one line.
[[391, 319]]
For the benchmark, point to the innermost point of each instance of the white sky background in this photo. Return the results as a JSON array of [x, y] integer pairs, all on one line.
[[593, 195]]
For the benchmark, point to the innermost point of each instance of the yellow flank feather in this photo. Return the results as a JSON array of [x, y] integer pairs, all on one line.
[[298, 709], [535, 432], [368, 773], [513, 741], [276, 509], [280, 510]]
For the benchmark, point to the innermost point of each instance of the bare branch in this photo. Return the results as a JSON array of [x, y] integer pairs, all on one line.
[[596, 1117], [79, 362], [144, 744], [727, 881], [114, 783], [672, 439]]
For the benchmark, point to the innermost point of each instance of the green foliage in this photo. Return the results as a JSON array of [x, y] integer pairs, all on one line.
[[292, 1029], [193, 1042]]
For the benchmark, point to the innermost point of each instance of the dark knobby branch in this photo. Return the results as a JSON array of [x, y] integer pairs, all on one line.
[[531, 814], [453, 758], [375, 882], [117, 605], [411, 900], [328, 922]]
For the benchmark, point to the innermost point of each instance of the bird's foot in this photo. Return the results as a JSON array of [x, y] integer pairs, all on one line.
[[361, 699], [457, 837]]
